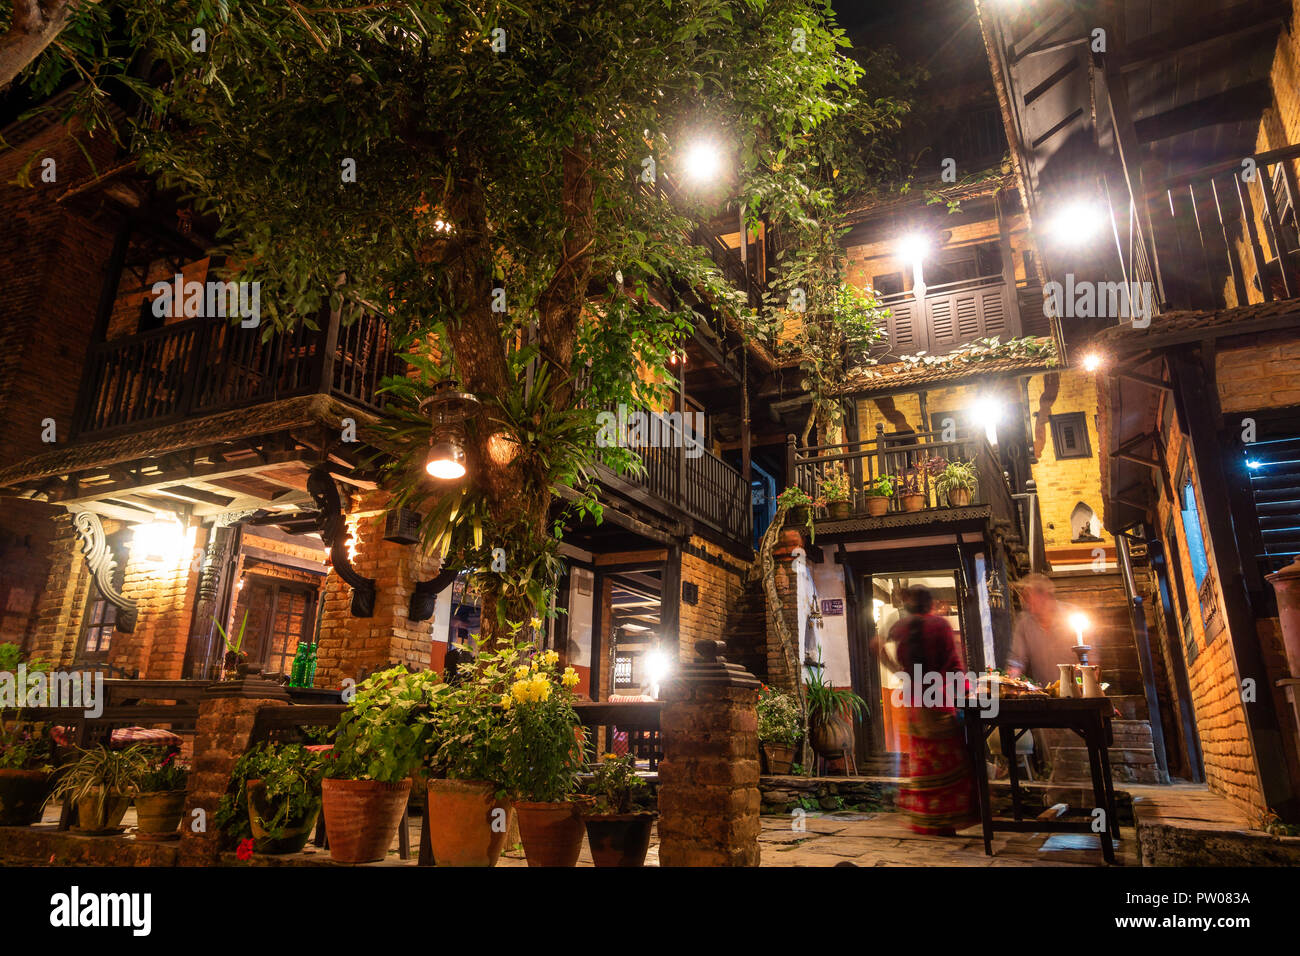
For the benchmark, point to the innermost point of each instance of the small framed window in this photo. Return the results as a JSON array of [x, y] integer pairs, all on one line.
[[96, 628], [1070, 435], [891, 283]]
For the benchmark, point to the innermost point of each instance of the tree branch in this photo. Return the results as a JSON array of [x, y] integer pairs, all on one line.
[[35, 25]]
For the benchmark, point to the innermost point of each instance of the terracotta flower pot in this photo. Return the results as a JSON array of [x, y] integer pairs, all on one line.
[[296, 832], [551, 832], [158, 814], [106, 817], [914, 502], [877, 505], [780, 758], [831, 737], [619, 839], [838, 510], [468, 824], [959, 497], [22, 793], [361, 817]]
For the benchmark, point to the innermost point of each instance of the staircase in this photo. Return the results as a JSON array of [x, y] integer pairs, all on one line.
[[1101, 596], [746, 630]]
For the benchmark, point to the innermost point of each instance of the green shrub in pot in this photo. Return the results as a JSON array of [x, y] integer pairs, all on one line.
[[831, 712], [276, 798], [100, 784], [160, 796], [384, 737]]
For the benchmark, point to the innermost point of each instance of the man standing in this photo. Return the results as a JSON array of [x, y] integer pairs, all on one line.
[[1042, 639]]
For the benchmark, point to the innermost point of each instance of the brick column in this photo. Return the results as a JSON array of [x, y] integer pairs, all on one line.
[[708, 780], [225, 727], [350, 645]]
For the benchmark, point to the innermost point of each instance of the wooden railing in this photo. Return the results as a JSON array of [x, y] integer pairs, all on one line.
[[1227, 234], [696, 482], [863, 461], [206, 365]]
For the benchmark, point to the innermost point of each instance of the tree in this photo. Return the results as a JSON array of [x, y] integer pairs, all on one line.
[[475, 172], [33, 26]]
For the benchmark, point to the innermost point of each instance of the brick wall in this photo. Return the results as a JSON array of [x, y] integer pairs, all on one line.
[[350, 645], [1064, 483], [51, 271], [720, 579], [165, 592]]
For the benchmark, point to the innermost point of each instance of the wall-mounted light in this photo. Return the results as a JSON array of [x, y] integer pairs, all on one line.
[[987, 411], [1093, 361], [657, 667], [913, 247], [159, 541], [1077, 222]]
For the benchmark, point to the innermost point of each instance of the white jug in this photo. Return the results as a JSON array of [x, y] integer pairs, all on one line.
[[1067, 686]]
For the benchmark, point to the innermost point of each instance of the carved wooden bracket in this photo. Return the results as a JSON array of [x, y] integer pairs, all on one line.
[[425, 596], [333, 532], [102, 564]]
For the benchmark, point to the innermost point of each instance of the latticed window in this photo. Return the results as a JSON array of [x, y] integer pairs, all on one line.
[[96, 627]]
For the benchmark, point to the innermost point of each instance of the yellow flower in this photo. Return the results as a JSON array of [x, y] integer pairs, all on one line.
[[542, 689], [522, 671], [570, 677], [535, 622], [507, 701], [551, 658], [520, 689]]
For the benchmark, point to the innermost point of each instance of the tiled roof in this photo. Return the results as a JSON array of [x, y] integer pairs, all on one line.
[[870, 204], [290, 413], [897, 375], [1170, 328]]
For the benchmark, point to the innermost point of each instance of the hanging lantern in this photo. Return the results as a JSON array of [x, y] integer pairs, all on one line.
[[448, 410]]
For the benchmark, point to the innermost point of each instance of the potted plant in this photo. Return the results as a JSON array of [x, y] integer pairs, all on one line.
[[383, 738], [469, 812], [800, 505], [835, 492], [831, 711], [878, 491], [545, 752], [957, 480], [276, 798], [235, 661], [911, 489], [26, 755], [160, 797], [100, 784], [618, 833], [780, 727]]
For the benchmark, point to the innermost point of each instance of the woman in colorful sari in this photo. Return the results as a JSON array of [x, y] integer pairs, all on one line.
[[939, 789]]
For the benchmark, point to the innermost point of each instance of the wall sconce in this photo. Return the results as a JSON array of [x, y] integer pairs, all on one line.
[[448, 410], [159, 541]]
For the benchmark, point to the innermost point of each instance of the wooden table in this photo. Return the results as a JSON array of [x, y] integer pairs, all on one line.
[[1087, 717]]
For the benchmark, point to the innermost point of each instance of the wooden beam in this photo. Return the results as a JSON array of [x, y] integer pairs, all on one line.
[[1198, 32], [188, 493], [1240, 104]]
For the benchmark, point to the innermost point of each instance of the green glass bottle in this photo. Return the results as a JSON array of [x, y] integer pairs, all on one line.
[[298, 670], [310, 669]]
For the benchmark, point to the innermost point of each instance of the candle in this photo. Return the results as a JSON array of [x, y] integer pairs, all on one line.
[[1079, 622]]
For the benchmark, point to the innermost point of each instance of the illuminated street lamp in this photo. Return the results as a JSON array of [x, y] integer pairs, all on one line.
[[1077, 222], [1092, 361], [913, 248], [987, 411], [702, 161]]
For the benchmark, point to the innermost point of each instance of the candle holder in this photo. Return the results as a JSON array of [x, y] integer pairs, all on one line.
[[1081, 652]]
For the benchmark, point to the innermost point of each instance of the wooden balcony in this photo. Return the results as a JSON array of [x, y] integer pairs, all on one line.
[[863, 461], [1227, 234], [202, 366]]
